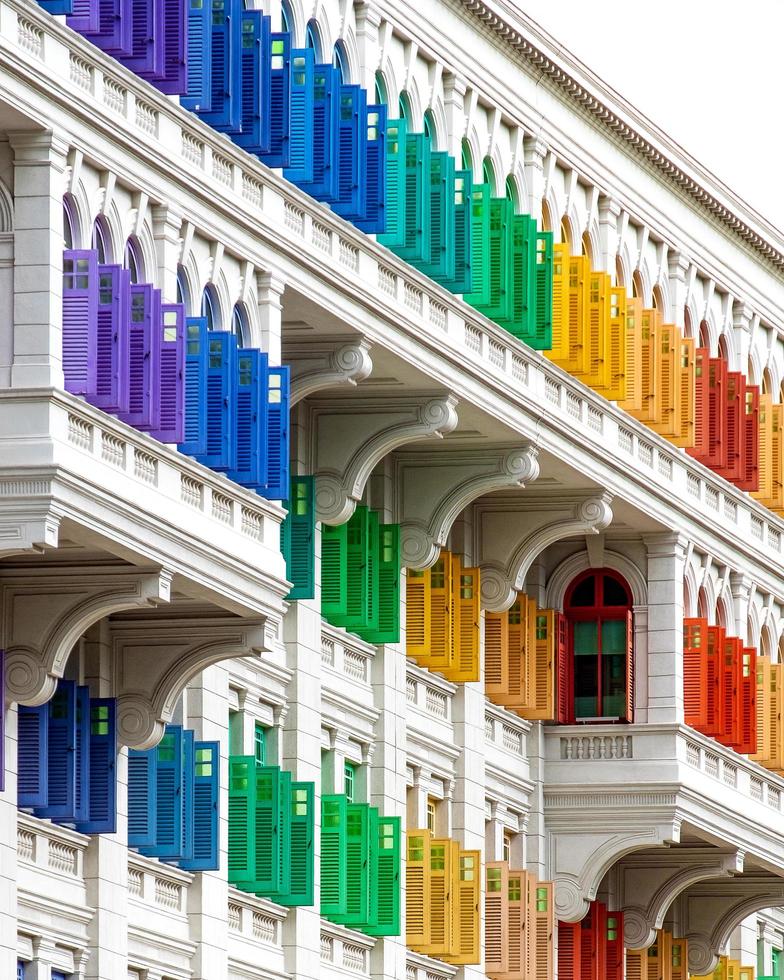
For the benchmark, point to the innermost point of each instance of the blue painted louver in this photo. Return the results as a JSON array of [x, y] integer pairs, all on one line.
[[352, 152], [33, 756], [204, 820], [81, 804], [61, 736], [57, 6], [326, 107], [280, 87], [112, 390], [168, 796], [195, 426], [174, 80], [114, 33], [220, 449], [147, 31], [255, 49], [250, 431], [225, 109], [374, 219], [101, 816], [142, 798], [300, 164], [277, 487], [84, 16], [199, 59], [20, 970]]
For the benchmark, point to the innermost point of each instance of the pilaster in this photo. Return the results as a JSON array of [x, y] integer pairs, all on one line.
[[8, 858], [269, 290], [609, 211], [666, 558], [166, 225], [678, 267], [535, 151]]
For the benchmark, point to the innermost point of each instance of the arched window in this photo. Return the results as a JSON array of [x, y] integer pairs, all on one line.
[[658, 299], [183, 289], [286, 18], [313, 39], [133, 260], [404, 107], [210, 308], [70, 238], [381, 89], [566, 234], [586, 247], [637, 287], [688, 328], [598, 610], [547, 220], [102, 240], [429, 128], [704, 334], [340, 61], [468, 156], [723, 349], [511, 193], [239, 324]]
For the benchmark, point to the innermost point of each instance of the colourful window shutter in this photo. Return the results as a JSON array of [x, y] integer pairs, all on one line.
[[613, 923], [143, 352], [385, 884], [80, 320], [102, 783], [206, 815], [500, 298], [559, 348], [695, 672], [33, 756], [764, 491], [195, 421], [267, 832], [284, 833], [221, 396], [629, 710], [479, 293], [442, 611], [762, 710], [465, 909], [548, 652], [373, 219], [297, 538], [680, 961], [460, 282], [301, 859], [300, 165], [169, 396], [443, 861], [713, 724], [497, 657], [334, 855], [541, 929], [417, 613], [569, 960], [112, 338], [417, 888], [324, 185], [465, 623], [255, 82], [777, 459], [358, 568], [168, 796], [614, 386], [57, 6], [589, 943], [665, 419], [352, 152], [277, 487], [388, 590], [440, 264], [225, 108], [747, 700], [147, 56], [729, 700], [81, 807], [700, 449], [357, 873], [497, 939], [334, 573], [718, 433], [242, 819], [395, 182], [61, 754], [543, 310], [142, 798], [250, 424], [750, 461], [417, 200], [685, 436], [175, 17], [199, 61], [634, 354], [515, 954]]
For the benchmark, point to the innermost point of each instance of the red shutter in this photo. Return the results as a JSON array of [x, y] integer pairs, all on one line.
[[614, 946], [569, 951], [747, 701], [695, 672], [629, 715], [713, 686], [749, 471], [717, 415], [734, 400], [728, 690], [563, 674], [589, 944]]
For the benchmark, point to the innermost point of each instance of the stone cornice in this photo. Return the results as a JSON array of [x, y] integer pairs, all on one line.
[[636, 132]]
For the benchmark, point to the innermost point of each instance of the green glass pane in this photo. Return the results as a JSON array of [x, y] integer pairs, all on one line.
[[585, 639], [613, 636]]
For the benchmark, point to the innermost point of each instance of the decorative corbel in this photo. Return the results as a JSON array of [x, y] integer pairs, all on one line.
[[435, 487], [319, 366], [349, 437]]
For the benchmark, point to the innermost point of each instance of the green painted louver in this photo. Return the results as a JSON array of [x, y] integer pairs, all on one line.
[[297, 538], [395, 213], [388, 627], [385, 892], [334, 573], [358, 861], [543, 319], [271, 826], [479, 292], [499, 244], [415, 204], [334, 855], [523, 281]]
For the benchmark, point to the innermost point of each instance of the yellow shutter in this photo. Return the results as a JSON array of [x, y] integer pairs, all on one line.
[[777, 458], [560, 345], [733, 969], [680, 959], [746, 973], [441, 610], [442, 860], [497, 933], [636, 965], [465, 909], [650, 410], [665, 955], [664, 417], [541, 707], [764, 492], [632, 400], [720, 973], [596, 317], [417, 613], [465, 618], [774, 709], [612, 381], [498, 655], [417, 888], [541, 929], [762, 755], [517, 691], [687, 387]]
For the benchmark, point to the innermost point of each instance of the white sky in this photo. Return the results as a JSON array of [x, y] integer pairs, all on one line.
[[707, 72]]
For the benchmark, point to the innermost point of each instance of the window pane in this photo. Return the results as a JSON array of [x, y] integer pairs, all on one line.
[[586, 669], [584, 594], [614, 592], [585, 637], [613, 636]]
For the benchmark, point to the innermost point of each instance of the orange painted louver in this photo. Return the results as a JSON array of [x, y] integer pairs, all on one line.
[[442, 898], [768, 715], [442, 618], [519, 924], [666, 959], [523, 649]]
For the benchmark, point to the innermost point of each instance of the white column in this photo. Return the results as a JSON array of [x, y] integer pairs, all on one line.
[[741, 322], [8, 874], [609, 210], [208, 895], [666, 557], [269, 288], [740, 587], [678, 266], [166, 226], [367, 20], [535, 151], [39, 165]]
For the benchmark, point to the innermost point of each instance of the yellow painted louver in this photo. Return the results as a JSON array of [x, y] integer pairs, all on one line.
[[770, 723], [656, 962], [442, 618], [442, 898], [720, 973], [519, 924]]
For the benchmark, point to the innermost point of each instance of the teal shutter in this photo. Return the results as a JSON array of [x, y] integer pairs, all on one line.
[[395, 204], [334, 573], [479, 292], [543, 310], [301, 859], [297, 538], [440, 263], [284, 833], [333, 856], [385, 880], [357, 866], [460, 282], [523, 266], [499, 302], [388, 627], [242, 825], [417, 200], [205, 808], [142, 798]]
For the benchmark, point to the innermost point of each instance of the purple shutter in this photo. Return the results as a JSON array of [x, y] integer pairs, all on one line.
[[80, 319], [143, 368], [114, 310], [114, 27], [170, 393], [84, 17], [175, 31], [146, 59]]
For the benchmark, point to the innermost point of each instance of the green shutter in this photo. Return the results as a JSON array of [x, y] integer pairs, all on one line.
[[520, 323], [284, 834], [297, 538], [360, 568], [543, 312], [385, 880], [334, 573], [461, 280], [501, 293], [333, 855], [263, 835], [395, 204], [479, 292], [417, 200], [440, 264], [301, 819], [388, 629], [357, 866], [242, 825]]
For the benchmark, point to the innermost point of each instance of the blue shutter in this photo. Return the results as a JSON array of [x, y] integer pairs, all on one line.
[[143, 366], [102, 792], [255, 80], [300, 163], [198, 59], [326, 106], [114, 311], [187, 795], [250, 431], [57, 6], [168, 802], [20, 970], [174, 44], [114, 28], [142, 797], [221, 393], [33, 756], [205, 809], [195, 425], [62, 753], [82, 781], [373, 220], [352, 152], [277, 487], [225, 111], [168, 399], [277, 153], [80, 320]]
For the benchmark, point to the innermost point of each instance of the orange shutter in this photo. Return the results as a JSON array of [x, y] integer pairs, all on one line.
[[733, 969], [417, 888], [560, 344], [465, 909], [636, 964], [597, 367], [650, 411], [665, 419], [762, 710], [728, 675], [517, 926], [465, 624], [713, 671], [764, 491], [614, 946], [665, 955], [541, 706], [747, 700], [695, 672], [777, 459], [634, 353], [518, 690], [700, 449], [417, 613], [541, 930], [615, 388], [684, 436], [775, 716], [680, 959], [441, 612], [497, 655], [497, 932]]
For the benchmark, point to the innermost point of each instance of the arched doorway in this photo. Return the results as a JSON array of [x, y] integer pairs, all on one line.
[[600, 654]]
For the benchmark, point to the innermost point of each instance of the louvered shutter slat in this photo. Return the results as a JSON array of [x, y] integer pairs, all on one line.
[[205, 813], [300, 164], [251, 422], [298, 532], [112, 339], [80, 320], [195, 385], [61, 737], [278, 393], [199, 57], [142, 798], [169, 398], [386, 885], [225, 105], [102, 782], [302, 816], [242, 819], [417, 888], [394, 234], [334, 854], [387, 629], [143, 367], [33, 756]]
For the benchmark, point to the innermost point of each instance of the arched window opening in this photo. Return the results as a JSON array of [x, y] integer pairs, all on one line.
[[722, 617], [779, 659], [429, 128], [340, 61], [511, 193], [488, 174], [704, 334], [702, 605], [404, 107], [70, 237], [767, 382], [619, 276], [637, 287], [723, 349], [751, 371], [240, 325], [210, 308], [566, 234], [286, 17], [547, 220], [183, 290], [102, 242], [313, 39], [467, 155], [766, 647], [587, 251], [598, 610], [133, 260], [658, 299], [382, 96], [688, 326]]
